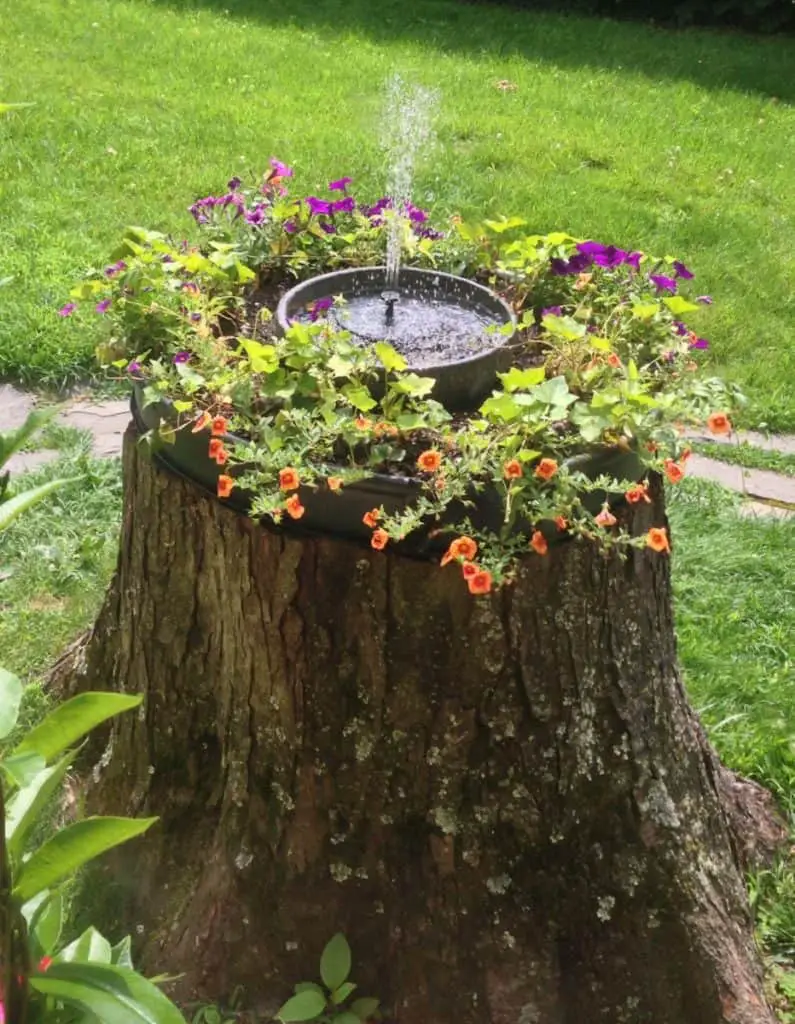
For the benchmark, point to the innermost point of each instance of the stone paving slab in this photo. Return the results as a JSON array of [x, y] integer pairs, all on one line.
[[756, 483], [106, 421], [783, 443], [759, 510], [14, 407], [23, 462]]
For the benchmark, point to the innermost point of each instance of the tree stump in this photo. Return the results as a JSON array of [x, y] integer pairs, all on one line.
[[505, 803]]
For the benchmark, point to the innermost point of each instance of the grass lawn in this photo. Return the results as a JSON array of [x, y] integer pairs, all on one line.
[[680, 143]]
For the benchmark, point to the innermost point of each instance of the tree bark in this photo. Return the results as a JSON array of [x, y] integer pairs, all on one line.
[[505, 803]]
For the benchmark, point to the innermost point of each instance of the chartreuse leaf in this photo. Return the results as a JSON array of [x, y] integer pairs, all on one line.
[[10, 697], [515, 378], [304, 1006], [27, 803], [678, 305], [335, 962], [73, 720], [564, 327], [47, 924], [72, 847], [389, 358], [645, 310], [19, 769], [107, 992], [90, 947], [364, 1008], [359, 397]]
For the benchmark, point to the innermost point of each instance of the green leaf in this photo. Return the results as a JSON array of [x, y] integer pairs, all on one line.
[[264, 358], [389, 358], [114, 995], [19, 769], [645, 310], [504, 224], [678, 305], [501, 407], [181, 405], [359, 397], [554, 391], [90, 947], [516, 378], [47, 924], [339, 995], [412, 384], [10, 697], [346, 1017], [301, 1007], [74, 719], [20, 503], [340, 366], [410, 421], [308, 986], [364, 1008], [335, 962], [564, 327], [72, 847], [26, 805], [121, 953]]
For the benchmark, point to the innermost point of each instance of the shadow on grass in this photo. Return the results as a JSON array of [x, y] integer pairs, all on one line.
[[712, 59]]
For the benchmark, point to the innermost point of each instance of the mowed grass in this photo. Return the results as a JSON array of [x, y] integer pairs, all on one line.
[[680, 143]]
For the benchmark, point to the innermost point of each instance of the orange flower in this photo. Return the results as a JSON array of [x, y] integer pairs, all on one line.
[[657, 539], [371, 518], [334, 483], [561, 522], [538, 543], [429, 461], [546, 469], [512, 469], [362, 423], [605, 517], [220, 426], [469, 569], [613, 360], [386, 428], [217, 451], [464, 547], [201, 423], [293, 507], [225, 485], [288, 479], [638, 492], [480, 582], [719, 423], [673, 471], [379, 540]]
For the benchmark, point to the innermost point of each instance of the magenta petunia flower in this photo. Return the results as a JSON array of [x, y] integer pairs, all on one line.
[[680, 328], [102, 307], [68, 309], [663, 283], [328, 228], [682, 271], [317, 206], [320, 306], [346, 205], [578, 263], [551, 311], [633, 260], [705, 300], [416, 215], [701, 343], [429, 233], [340, 185], [134, 367], [181, 357], [256, 217], [115, 268], [234, 184], [290, 227], [282, 170]]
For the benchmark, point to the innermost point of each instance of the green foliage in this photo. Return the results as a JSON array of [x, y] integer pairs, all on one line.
[[326, 1003]]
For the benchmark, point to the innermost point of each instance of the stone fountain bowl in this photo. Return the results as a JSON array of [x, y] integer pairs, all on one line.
[[464, 367]]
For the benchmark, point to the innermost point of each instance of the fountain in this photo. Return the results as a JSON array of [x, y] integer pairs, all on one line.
[[446, 327]]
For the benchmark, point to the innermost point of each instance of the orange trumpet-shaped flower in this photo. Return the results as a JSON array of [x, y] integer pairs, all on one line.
[[538, 543], [479, 582], [371, 518], [546, 469], [561, 522], [362, 423], [468, 570], [288, 479], [217, 451], [464, 547], [673, 471], [657, 539], [293, 507], [637, 493], [225, 485], [613, 360], [334, 483], [605, 518], [220, 426], [512, 469], [719, 423], [379, 540], [429, 461], [201, 422]]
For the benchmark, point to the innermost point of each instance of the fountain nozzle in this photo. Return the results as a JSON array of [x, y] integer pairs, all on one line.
[[390, 300]]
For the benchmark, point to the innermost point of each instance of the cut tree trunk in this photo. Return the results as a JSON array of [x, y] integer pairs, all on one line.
[[505, 803]]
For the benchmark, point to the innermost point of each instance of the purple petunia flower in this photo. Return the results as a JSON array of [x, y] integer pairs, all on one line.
[[705, 300], [195, 317], [320, 306], [551, 311], [701, 343], [430, 233], [346, 205], [234, 184], [663, 283], [328, 228], [290, 227], [384, 203], [282, 170], [102, 307], [181, 357], [682, 271], [340, 185], [115, 268], [68, 309], [680, 328], [166, 258], [416, 215], [317, 206], [134, 367], [578, 263], [633, 260], [256, 216]]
